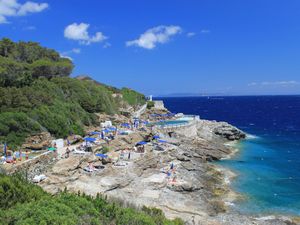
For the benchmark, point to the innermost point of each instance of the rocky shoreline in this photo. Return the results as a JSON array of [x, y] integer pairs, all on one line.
[[197, 191]]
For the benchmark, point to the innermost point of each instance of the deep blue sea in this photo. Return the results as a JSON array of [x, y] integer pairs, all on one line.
[[268, 165]]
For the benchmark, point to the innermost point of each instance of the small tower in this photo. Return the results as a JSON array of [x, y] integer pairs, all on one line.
[[150, 98]]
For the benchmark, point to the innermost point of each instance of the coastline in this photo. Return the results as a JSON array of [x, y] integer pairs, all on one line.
[[232, 196], [199, 193]]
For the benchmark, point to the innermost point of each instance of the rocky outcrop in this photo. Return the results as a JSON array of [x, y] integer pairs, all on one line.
[[229, 132], [38, 142], [208, 130], [191, 188]]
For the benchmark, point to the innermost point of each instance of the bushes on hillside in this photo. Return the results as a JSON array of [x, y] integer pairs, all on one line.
[[59, 105], [36, 94], [133, 97], [150, 105], [24, 203]]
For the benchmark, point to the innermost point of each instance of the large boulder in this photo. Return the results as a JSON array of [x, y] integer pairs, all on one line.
[[38, 142]]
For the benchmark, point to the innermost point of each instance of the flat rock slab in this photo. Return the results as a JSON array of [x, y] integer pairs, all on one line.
[[155, 178]]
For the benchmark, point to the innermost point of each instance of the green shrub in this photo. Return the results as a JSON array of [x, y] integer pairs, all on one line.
[[150, 104], [24, 203], [133, 97], [36, 94], [105, 149]]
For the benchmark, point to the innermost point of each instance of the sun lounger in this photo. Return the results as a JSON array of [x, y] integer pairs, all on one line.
[[78, 152], [120, 164], [39, 178], [89, 169]]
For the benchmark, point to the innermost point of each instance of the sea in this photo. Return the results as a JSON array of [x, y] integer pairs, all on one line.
[[268, 161]]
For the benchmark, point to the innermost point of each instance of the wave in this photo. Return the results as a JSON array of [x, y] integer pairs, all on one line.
[[251, 137]]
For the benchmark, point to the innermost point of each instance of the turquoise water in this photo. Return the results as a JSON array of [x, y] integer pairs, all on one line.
[[171, 122], [268, 180], [268, 166]]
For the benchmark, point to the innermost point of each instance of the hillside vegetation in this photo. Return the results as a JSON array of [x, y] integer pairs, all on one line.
[[25, 203], [37, 94]]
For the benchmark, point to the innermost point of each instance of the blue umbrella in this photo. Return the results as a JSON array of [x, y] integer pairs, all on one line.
[[101, 155], [89, 139], [141, 143], [125, 125], [162, 141], [112, 128], [95, 133], [156, 137]]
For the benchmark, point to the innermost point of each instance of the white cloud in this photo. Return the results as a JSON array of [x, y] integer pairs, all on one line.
[[190, 34], [275, 83], [154, 36], [76, 50], [79, 32], [205, 31], [9, 8], [31, 7], [29, 28]]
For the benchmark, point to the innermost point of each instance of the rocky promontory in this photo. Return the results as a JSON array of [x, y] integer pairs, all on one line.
[[175, 176]]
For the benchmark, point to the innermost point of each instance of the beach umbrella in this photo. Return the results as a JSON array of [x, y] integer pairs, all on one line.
[[95, 133], [142, 143], [155, 136], [125, 125], [162, 141], [51, 149], [89, 139], [101, 155]]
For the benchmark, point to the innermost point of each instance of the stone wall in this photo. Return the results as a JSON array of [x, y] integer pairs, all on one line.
[[188, 130]]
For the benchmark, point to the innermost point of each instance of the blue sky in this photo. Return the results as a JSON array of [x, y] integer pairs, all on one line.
[[170, 46]]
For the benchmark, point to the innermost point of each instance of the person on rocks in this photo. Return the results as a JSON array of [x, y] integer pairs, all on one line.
[[20, 155], [174, 177], [129, 155], [107, 140], [68, 153], [26, 155], [172, 166], [122, 154], [55, 153], [14, 159], [91, 167]]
